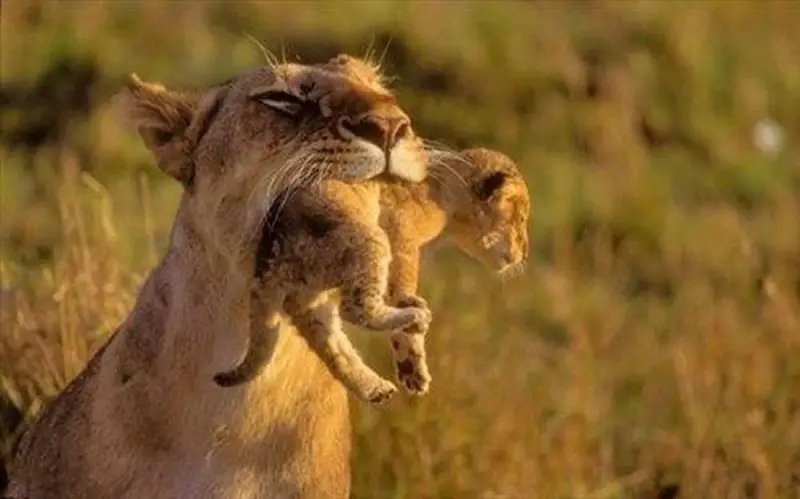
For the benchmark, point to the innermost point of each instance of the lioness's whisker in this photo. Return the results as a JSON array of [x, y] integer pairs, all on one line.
[[296, 182]]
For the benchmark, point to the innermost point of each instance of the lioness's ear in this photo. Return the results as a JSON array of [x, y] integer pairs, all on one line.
[[162, 118]]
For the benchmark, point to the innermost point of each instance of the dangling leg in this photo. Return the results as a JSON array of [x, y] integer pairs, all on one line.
[[410, 361], [319, 323], [408, 346], [364, 304]]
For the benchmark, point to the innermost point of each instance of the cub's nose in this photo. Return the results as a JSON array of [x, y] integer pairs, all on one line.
[[382, 130]]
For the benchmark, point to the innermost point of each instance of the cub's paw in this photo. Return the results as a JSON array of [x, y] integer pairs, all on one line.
[[380, 393], [411, 367], [413, 320], [414, 301], [413, 375], [406, 301]]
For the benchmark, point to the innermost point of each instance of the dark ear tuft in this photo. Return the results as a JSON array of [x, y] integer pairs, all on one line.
[[488, 185]]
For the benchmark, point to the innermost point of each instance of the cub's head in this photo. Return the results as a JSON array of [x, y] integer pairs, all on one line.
[[274, 127], [490, 222]]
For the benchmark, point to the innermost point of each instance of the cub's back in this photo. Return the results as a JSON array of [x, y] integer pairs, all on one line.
[[306, 228]]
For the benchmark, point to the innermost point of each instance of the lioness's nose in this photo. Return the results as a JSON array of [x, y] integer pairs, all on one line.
[[380, 129]]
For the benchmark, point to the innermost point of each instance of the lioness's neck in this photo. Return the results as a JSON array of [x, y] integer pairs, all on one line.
[[195, 300]]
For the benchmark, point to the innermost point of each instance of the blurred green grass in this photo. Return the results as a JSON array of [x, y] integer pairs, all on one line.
[[654, 342]]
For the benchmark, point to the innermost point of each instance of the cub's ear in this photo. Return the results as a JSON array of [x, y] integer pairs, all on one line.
[[488, 185], [162, 118]]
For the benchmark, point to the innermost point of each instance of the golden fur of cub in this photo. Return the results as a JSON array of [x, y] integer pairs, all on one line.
[[364, 241]]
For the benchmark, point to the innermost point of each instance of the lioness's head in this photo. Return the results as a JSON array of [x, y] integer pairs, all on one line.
[[274, 127], [492, 225]]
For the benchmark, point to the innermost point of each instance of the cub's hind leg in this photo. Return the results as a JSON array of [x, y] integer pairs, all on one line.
[[264, 324], [318, 321], [363, 300]]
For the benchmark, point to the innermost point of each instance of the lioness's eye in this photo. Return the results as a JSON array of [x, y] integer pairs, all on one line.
[[281, 101]]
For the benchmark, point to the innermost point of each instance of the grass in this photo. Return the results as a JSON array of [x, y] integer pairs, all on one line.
[[653, 346]]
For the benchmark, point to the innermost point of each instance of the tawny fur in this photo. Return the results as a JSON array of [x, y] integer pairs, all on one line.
[[326, 240], [479, 200], [144, 418], [330, 238]]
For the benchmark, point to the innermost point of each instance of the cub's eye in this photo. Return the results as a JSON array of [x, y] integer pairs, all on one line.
[[282, 101]]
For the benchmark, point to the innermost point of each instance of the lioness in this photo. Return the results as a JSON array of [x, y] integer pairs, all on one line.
[[144, 418], [330, 238]]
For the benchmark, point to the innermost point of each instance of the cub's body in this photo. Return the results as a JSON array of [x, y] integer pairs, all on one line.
[[359, 238], [319, 240]]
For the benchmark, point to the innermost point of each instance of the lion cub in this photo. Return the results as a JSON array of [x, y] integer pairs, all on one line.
[[325, 238], [330, 238], [478, 198]]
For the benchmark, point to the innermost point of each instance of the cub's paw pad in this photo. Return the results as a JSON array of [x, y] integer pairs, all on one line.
[[415, 380], [381, 393]]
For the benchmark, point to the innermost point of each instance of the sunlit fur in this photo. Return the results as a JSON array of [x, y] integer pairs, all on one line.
[[492, 227], [346, 252], [478, 198], [144, 418], [326, 239], [331, 238], [495, 229]]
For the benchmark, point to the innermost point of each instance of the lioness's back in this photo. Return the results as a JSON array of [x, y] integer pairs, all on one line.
[[58, 474]]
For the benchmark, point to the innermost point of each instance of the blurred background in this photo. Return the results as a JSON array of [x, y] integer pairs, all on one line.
[[653, 348]]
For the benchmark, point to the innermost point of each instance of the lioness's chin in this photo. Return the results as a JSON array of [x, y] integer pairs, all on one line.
[[407, 162], [407, 171], [363, 172]]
